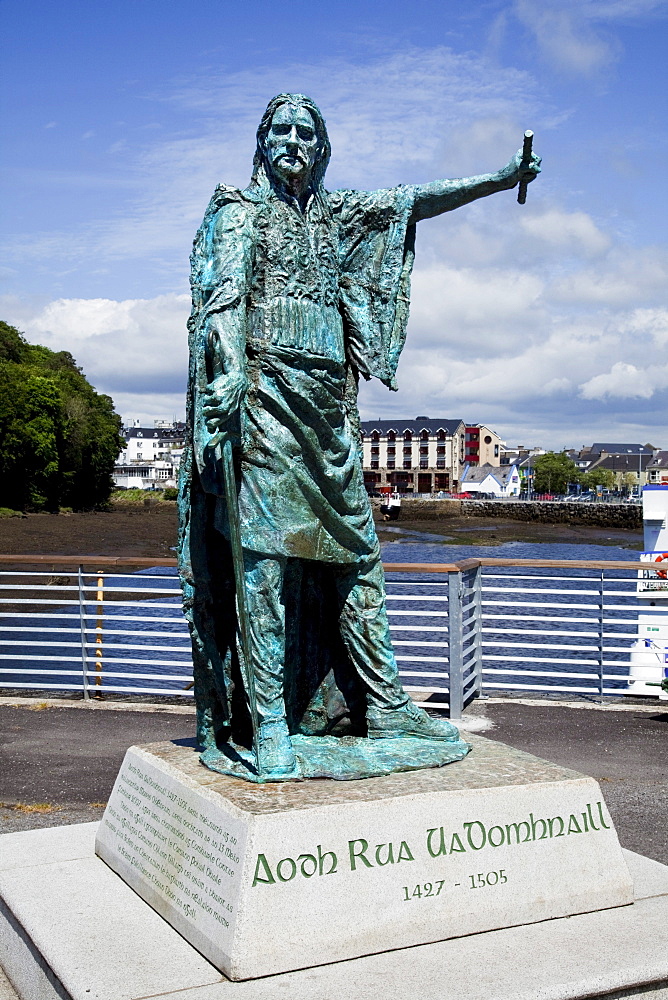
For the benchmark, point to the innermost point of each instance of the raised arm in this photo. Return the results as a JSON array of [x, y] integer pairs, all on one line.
[[442, 196]]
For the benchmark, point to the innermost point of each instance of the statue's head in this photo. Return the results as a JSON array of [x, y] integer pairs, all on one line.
[[292, 142]]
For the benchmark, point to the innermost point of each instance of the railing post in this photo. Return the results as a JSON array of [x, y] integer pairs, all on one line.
[[477, 625], [99, 625], [455, 645], [82, 626], [600, 635]]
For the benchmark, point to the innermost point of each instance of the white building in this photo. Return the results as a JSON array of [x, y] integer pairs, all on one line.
[[501, 481], [151, 456]]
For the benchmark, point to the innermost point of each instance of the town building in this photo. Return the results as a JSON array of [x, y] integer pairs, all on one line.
[[482, 446], [657, 470], [628, 462], [151, 456], [423, 455], [497, 480]]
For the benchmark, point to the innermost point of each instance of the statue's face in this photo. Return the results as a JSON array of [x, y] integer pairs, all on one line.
[[292, 143]]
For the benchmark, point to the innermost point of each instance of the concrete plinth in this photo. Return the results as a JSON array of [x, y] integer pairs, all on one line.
[[70, 929], [266, 879]]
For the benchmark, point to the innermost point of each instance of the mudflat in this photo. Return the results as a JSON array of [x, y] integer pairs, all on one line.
[[122, 531], [494, 531], [138, 530]]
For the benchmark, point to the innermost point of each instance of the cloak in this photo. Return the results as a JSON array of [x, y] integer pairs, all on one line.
[[299, 473]]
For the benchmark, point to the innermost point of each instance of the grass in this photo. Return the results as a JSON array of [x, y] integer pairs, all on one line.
[[8, 512], [30, 807]]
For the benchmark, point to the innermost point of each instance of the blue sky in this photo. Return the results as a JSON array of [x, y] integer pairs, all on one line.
[[548, 321]]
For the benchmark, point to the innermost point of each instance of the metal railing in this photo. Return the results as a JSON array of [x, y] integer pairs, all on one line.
[[98, 625]]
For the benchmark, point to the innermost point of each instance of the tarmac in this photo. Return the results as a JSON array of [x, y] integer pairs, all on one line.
[[59, 759]]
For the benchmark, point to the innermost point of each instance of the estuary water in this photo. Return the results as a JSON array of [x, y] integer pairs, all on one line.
[[140, 644]]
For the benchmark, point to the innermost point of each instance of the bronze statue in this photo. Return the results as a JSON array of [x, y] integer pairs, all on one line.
[[297, 292]]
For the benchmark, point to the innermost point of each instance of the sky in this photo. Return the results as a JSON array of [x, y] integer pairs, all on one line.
[[548, 321]]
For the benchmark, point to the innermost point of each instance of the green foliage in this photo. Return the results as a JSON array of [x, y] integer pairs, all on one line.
[[8, 512], [170, 493], [128, 496], [553, 471], [59, 439], [598, 477]]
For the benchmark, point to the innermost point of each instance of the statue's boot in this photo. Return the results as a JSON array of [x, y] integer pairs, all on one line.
[[409, 720], [277, 758]]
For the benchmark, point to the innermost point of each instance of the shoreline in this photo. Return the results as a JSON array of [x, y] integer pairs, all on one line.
[[145, 531]]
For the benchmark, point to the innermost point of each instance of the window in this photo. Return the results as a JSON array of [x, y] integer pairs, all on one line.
[[424, 435], [375, 436], [424, 463], [408, 436], [391, 436], [496, 451], [390, 463], [407, 463], [488, 439], [375, 449], [440, 436], [440, 449], [391, 450], [374, 463], [440, 463]]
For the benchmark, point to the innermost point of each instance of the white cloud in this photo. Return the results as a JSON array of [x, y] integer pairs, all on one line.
[[574, 232], [574, 35], [486, 308], [564, 37], [648, 323], [628, 277], [134, 350], [623, 380]]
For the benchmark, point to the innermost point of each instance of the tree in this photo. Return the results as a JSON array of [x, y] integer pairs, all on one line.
[[599, 477], [553, 471], [59, 438]]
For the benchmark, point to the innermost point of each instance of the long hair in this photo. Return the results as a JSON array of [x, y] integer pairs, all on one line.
[[261, 172]]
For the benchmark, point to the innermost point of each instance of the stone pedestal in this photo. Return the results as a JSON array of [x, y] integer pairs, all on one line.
[[263, 879]]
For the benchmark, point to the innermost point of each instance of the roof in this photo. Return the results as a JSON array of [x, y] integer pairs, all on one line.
[[622, 463], [659, 461], [153, 432], [478, 473], [412, 424], [619, 449]]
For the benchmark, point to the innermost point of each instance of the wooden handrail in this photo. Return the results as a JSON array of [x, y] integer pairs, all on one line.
[[85, 560], [451, 567]]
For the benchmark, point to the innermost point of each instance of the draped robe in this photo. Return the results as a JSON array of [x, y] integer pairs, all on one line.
[[323, 296]]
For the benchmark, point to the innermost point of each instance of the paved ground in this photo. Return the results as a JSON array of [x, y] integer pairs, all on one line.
[[58, 764]]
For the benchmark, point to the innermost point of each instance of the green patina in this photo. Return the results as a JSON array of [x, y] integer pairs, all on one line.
[[297, 291]]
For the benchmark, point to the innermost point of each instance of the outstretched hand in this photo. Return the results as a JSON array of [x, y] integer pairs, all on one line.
[[519, 169]]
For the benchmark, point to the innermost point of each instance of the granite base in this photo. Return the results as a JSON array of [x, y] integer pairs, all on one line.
[[263, 879]]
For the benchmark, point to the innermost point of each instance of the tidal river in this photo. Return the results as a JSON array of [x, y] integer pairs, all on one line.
[[136, 641]]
